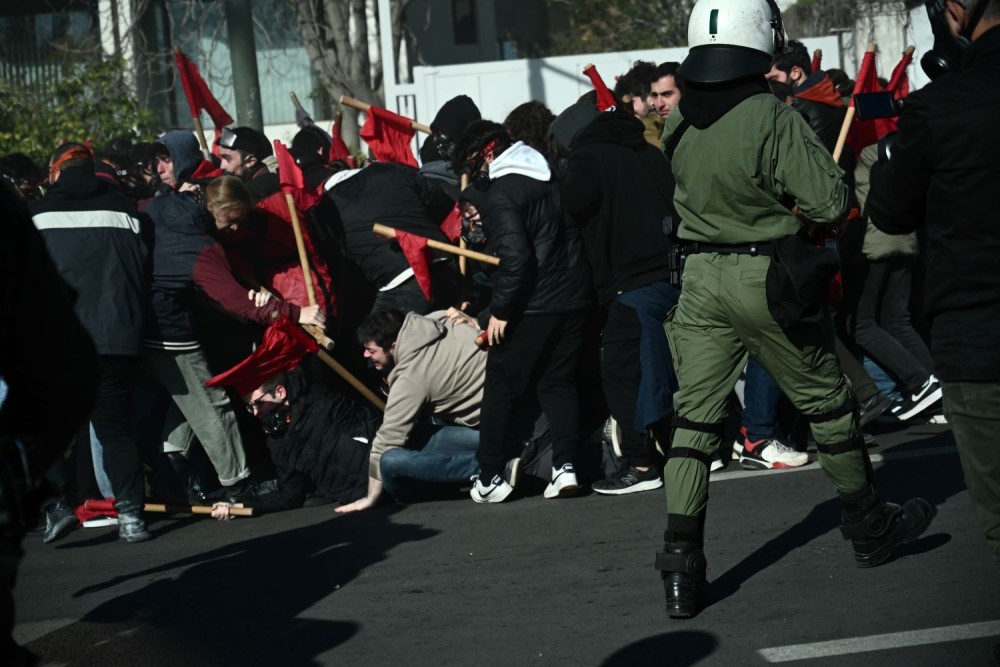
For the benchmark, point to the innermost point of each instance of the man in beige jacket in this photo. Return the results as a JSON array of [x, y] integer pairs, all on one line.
[[435, 372]]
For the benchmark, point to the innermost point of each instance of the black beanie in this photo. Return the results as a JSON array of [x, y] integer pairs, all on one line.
[[456, 115], [569, 123]]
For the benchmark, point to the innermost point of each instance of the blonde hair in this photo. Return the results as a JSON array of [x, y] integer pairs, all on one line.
[[226, 192]]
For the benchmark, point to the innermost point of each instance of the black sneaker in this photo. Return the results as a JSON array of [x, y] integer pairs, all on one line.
[[59, 518], [242, 491], [629, 480], [915, 403], [873, 408]]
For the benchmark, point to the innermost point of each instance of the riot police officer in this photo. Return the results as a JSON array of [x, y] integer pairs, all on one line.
[[742, 161]]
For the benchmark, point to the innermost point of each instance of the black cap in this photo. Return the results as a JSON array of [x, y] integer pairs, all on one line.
[[246, 139], [570, 122], [456, 115]]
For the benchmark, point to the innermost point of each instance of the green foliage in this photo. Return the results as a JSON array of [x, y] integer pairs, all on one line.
[[599, 26], [91, 101]]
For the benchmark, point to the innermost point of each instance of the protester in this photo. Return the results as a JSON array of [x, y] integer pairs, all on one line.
[[541, 292], [942, 172], [665, 90]]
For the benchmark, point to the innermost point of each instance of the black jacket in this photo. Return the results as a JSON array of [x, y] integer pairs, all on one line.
[[391, 194], [542, 265], [944, 172], [620, 190], [819, 102], [100, 245], [328, 443]]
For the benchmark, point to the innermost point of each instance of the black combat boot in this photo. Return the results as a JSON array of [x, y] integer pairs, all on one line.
[[876, 527], [683, 568], [131, 522]]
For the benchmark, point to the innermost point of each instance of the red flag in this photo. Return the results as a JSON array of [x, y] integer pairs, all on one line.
[[817, 60], [452, 225], [868, 132], [206, 169], [388, 135], [197, 93], [419, 256], [282, 349], [338, 149], [291, 178], [899, 83], [605, 98]]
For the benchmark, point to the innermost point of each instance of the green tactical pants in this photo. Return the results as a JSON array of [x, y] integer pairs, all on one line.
[[722, 315]]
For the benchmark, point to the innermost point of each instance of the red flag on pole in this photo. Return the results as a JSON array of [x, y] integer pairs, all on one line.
[[817, 61], [868, 132], [388, 135], [197, 93], [605, 98], [419, 256], [291, 178], [899, 83], [338, 149], [283, 347]]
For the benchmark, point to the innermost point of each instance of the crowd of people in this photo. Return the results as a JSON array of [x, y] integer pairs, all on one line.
[[668, 241]]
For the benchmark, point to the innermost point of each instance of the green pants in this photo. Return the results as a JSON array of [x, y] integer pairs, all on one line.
[[722, 315], [973, 411]]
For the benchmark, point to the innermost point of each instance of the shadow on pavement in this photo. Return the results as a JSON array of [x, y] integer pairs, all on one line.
[[897, 480], [677, 649], [239, 604]]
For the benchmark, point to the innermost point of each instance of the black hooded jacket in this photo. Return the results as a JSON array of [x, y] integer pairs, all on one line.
[[943, 173], [328, 442], [620, 190]]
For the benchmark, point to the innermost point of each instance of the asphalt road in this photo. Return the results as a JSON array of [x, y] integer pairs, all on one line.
[[529, 582]]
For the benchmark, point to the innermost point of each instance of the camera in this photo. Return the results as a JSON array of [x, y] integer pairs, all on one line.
[[870, 106]]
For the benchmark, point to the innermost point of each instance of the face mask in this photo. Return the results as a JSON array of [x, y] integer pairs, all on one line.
[[276, 422], [948, 51]]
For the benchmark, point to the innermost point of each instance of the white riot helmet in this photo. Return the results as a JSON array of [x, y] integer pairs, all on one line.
[[730, 39]]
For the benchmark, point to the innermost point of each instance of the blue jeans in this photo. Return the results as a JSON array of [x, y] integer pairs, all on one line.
[[883, 382], [436, 454], [761, 396], [651, 303]]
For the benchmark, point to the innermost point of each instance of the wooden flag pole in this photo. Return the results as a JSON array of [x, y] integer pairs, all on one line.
[[845, 128], [301, 245], [390, 233], [194, 509], [295, 101], [362, 106], [351, 380]]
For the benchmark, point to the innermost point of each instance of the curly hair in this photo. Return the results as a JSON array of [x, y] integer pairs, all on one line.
[[529, 122]]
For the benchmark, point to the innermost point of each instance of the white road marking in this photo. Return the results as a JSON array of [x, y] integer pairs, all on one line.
[[851, 645], [737, 473]]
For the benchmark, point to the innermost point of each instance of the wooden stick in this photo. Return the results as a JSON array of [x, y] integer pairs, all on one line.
[[194, 509], [362, 106], [390, 233], [301, 245], [845, 128], [200, 131], [351, 380], [462, 260]]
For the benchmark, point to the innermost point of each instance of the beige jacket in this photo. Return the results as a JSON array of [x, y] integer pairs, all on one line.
[[439, 372]]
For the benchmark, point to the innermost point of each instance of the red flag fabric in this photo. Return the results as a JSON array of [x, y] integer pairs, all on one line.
[[388, 135], [419, 256], [206, 169], [605, 98], [899, 83], [92, 509], [291, 178], [452, 225], [282, 349], [197, 93], [817, 61], [867, 132], [338, 149]]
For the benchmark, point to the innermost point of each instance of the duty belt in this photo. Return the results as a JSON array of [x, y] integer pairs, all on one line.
[[765, 248]]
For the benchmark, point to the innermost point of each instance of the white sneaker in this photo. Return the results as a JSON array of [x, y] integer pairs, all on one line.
[[563, 482], [512, 471], [771, 453], [494, 492]]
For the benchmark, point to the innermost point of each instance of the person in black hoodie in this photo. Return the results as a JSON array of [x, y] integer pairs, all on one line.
[[619, 189], [541, 295], [943, 173], [100, 246]]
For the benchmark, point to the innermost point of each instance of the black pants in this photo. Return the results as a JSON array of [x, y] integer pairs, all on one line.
[[620, 376], [112, 419], [540, 353], [882, 324]]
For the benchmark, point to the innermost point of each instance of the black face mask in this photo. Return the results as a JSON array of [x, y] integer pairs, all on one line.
[[276, 422], [946, 56]]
